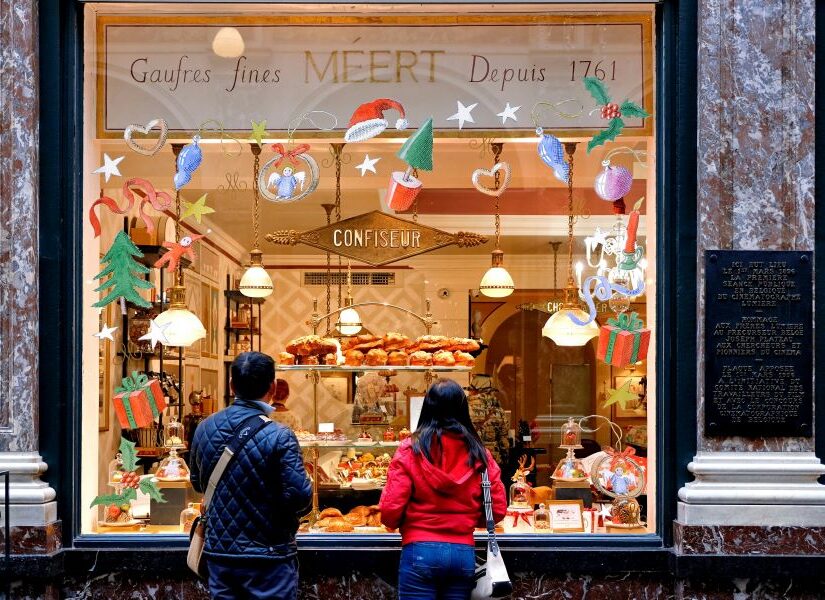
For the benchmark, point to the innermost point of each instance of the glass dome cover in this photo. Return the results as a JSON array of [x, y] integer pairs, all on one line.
[[116, 470], [173, 468], [570, 468], [571, 435], [174, 434]]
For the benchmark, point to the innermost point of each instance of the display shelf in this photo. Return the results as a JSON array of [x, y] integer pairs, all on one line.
[[348, 369], [349, 444]]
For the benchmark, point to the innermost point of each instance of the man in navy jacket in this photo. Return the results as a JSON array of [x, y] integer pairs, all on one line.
[[252, 519]]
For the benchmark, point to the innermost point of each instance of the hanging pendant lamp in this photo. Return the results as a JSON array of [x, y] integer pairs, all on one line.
[[349, 321], [256, 282], [497, 282], [559, 327], [180, 326]]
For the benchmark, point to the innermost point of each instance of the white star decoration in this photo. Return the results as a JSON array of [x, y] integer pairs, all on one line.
[[464, 114], [106, 333], [367, 165], [109, 167], [509, 112], [156, 334]]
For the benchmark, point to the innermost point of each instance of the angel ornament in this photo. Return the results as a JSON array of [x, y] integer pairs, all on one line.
[[286, 182], [290, 184]]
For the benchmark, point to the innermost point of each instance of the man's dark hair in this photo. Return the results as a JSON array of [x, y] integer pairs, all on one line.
[[252, 375]]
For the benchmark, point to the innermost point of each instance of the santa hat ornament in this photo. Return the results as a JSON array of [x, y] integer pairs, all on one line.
[[368, 120]]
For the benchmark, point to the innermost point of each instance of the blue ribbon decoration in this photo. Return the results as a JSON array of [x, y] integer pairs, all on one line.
[[602, 289]]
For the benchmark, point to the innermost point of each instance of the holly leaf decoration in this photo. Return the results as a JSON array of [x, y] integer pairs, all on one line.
[[639, 202], [620, 396], [108, 499], [631, 109], [613, 130], [129, 494], [150, 488], [128, 452], [597, 89]]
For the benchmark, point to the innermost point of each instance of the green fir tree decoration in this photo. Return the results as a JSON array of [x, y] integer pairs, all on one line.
[[612, 112], [125, 273], [131, 482], [417, 151]]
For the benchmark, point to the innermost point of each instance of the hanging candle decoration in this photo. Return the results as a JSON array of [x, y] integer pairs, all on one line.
[[613, 184], [189, 160], [552, 153]]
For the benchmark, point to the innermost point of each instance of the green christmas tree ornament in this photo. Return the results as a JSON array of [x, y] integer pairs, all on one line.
[[126, 273], [417, 152]]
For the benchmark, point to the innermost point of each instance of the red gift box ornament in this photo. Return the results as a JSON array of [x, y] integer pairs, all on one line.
[[623, 341], [138, 401]]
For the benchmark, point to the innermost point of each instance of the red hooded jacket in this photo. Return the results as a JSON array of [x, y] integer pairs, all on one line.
[[439, 502]]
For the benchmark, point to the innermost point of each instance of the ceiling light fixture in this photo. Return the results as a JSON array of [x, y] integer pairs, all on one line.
[[559, 327], [497, 282], [228, 43], [256, 282]]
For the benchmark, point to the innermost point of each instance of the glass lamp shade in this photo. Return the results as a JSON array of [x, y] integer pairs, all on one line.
[[349, 322], [565, 332], [496, 283], [228, 43], [256, 283], [182, 327]]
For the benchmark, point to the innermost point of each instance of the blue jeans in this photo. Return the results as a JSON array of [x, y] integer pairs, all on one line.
[[258, 580], [436, 571]]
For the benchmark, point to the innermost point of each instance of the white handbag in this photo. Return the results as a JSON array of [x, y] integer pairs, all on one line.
[[492, 580]]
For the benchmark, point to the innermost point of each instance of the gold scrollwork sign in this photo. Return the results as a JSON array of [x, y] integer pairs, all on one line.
[[376, 238]]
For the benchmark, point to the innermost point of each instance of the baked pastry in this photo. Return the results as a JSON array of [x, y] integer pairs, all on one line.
[[347, 343], [367, 341], [374, 520], [395, 341], [376, 358], [463, 344], [463, 359], [310, 360], [342, 527], [443, 358], [311, 344], [398, 358], [355, 519], [354, 358], [403, 434], [421, 359], [330, 512], [432, 342], [331, 359], [286, 358], [361, 510]]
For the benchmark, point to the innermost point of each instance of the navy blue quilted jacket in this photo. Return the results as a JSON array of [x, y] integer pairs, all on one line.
[[255, 509]]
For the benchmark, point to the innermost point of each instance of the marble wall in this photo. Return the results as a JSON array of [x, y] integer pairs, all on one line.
[[755, 171]]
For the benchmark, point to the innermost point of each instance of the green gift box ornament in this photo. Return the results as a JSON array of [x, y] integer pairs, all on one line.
[[138, 401], [623, 341]]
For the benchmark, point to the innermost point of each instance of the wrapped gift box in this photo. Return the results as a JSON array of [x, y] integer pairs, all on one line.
[[623, 341], [138, 401]]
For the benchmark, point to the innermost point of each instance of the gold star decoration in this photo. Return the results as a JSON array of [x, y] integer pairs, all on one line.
[[258, 131], [620, 396], [196, 209]]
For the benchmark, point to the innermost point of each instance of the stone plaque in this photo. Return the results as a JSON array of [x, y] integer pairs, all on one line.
[[759, 343], [376, 238]]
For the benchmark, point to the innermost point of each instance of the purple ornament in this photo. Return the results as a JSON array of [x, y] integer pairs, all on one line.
[[613, 183], [189, 159]]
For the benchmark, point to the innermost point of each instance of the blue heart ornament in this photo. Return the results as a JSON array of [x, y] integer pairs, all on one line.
[[552, 153]]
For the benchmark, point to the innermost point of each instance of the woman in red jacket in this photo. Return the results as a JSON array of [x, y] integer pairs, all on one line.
[[433, 496]]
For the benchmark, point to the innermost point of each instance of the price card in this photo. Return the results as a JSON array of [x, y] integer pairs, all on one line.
[[326, 427], [527, 438]]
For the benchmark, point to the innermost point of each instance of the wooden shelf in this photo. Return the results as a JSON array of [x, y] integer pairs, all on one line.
[[346, 369]]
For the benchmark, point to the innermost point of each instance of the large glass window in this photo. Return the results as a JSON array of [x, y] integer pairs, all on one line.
[[439, 194]]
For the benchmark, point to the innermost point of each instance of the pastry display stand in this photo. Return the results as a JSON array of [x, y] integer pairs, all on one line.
[[314, 374]]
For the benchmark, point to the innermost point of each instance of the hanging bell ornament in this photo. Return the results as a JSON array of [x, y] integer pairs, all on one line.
[[552, 153], [189, 160], [613, 183]]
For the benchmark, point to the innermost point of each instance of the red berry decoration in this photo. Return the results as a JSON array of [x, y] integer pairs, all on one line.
[[611, 111], [131, 480]]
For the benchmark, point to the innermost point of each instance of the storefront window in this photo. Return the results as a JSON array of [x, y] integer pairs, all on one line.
[[420, 193]]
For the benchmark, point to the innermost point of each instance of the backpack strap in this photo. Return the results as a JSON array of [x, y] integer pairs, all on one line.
[[242, 434]]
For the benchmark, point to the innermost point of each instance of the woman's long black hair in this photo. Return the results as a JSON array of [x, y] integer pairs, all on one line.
[[446, 410]]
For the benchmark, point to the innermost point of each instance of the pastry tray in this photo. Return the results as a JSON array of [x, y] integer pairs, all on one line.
[[349, 369]]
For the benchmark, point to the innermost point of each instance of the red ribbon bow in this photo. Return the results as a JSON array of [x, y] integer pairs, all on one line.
[[291, 154], [616, 456], [160, 201], [520, 514]]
